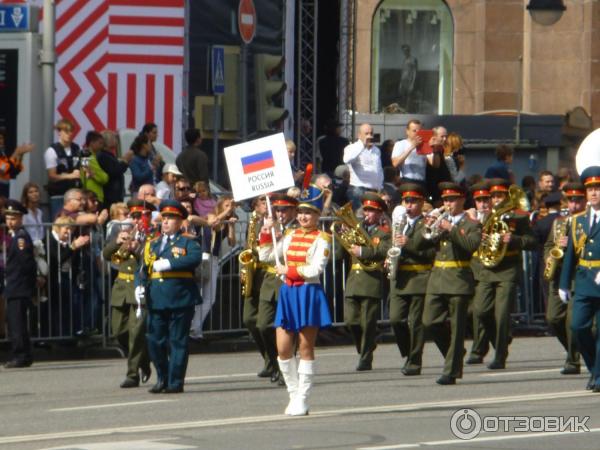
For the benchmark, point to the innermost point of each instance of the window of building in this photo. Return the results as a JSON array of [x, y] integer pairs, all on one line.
[[412, 53]]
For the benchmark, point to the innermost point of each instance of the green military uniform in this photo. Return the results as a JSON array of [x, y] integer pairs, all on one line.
[[408, 288], [449, 287], [126, 327], [558, 315], [497, 287], [364, 288], [481, 339], [269, 290]]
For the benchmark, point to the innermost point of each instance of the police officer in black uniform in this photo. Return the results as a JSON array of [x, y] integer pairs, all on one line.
[[20, 279]]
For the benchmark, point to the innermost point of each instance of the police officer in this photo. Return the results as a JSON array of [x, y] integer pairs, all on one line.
[[497, 286], [284, 208], [364, 286], [455, 237], [481, 340], [558, 315], [167, 283], [125, 252], [408, 288], [581, 265], [20, 284]]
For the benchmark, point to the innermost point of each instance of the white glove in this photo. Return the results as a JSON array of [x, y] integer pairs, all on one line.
[[139, 293], [597, 279], [161, 265], [564, 295]]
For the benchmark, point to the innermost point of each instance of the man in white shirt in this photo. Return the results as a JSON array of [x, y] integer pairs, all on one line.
[[411, 165], [364, 163]]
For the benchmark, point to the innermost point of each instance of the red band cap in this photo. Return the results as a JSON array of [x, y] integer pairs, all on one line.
[[372, 204], [171, 210], [283, 203], [574, 193], [481, 193], [134, 209], [413, 194], [451, 193], [592, 180], [499, 188]]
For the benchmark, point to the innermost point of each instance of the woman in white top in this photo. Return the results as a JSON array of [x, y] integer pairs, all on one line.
[[32, 221]]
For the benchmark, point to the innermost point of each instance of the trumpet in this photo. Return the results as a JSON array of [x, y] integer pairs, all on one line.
[[399, 220], [434, 231]]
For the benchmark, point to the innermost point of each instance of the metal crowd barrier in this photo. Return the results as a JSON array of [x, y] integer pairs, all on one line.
[[75, 302]]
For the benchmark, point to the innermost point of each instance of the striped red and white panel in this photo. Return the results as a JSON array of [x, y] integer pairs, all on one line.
[[120, 64]]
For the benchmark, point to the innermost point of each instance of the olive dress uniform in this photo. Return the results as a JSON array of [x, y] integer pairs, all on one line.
[[449, 287], [581, 264], [251, 307], [129, 330], [171, 296], [559, 315], [496, 289], [408, 289], [364, 289], [20, 284]]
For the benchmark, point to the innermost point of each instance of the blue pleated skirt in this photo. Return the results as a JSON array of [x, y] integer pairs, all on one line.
[[302, 306]]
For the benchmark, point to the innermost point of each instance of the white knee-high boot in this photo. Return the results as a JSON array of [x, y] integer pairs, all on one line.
[[306, 371], [289, 370]]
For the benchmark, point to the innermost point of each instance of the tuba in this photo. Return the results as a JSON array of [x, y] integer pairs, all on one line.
[[492, 249], [247, 257], [555, 255], [399, 220], [348, 230]]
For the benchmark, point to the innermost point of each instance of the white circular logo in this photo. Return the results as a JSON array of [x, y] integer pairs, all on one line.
[[465, 424]]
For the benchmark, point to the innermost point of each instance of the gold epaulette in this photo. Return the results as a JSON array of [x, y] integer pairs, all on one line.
[[325, 236]]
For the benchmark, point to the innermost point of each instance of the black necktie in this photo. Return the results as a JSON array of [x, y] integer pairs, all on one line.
[[594, 223]]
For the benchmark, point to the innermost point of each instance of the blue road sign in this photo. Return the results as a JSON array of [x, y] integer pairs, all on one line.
[[14, 18], [218, 70]]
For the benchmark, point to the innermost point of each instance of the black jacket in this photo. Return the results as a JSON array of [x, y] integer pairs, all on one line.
[[114, 189], [21, 269], [192, 162]]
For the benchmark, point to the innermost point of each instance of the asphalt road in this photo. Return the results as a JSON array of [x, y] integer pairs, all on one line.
[[78, 405]]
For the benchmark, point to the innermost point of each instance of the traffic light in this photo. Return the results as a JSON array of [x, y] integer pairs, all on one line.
[[268, 71]]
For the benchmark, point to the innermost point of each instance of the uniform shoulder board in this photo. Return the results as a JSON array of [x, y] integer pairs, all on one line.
[[289, 231], [582, 213], [325, 236]]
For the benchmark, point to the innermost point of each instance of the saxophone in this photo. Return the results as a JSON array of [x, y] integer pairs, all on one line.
[[400, 218], [556, 254], [492, 249], [248, 258], [348, 230]]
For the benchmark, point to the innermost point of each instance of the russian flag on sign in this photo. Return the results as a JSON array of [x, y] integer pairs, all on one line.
[[258, 161]]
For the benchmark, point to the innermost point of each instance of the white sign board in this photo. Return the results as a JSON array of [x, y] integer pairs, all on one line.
[[258, 167]]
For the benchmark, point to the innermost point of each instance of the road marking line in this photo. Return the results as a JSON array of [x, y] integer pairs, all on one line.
[[108, 405], [523, 372], [459, 403], [457, 441], [217, 377]]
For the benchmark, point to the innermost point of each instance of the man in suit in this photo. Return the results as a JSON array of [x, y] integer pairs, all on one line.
[[20, 284], [166, 281], [497, 285], [408, 287], [558, 315], [364, 286], [581, 265], [284, 208], [125, 253], [451, 281]]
